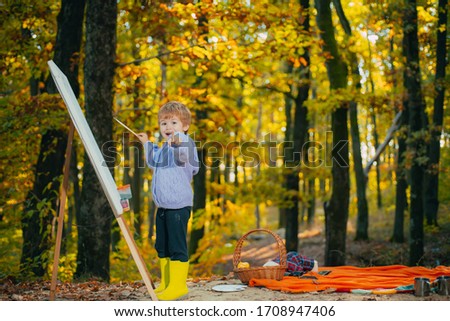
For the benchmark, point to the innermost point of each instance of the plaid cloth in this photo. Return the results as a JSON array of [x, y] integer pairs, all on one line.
[[297, 264]]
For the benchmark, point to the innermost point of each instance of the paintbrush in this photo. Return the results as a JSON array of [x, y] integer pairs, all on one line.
[[126, 127]]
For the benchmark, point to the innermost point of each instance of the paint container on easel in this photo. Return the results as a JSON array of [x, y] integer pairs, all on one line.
[[125, 195]]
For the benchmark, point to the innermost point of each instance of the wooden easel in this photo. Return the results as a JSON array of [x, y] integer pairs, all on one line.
[[122, 224]]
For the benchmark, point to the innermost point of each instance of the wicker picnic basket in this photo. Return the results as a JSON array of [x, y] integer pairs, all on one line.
[[263, 272]]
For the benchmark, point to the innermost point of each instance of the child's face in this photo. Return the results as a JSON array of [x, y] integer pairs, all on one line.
[[170, 125]]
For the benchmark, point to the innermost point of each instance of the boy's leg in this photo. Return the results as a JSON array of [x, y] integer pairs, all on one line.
[[176, 222], [177, 286], [161, 246], [179, 265], [164, 266], [162, 242]]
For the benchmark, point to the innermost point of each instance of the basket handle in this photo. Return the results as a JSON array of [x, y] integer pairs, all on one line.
[[281, 246]]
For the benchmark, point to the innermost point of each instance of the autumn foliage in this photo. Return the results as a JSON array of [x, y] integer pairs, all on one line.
[[238, 65]]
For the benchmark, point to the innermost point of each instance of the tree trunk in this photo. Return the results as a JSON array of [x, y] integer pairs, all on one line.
[[375, 129], [257, 169], [362, 222], [74, 205], [138, 163], [151, 214], [299, 131], [401, 200], [94, 221], [199, 202], [214, 198], [72, 200], [299, 137], [199, 179], [336, 210], [40, 205], [377, 167], [311, 155], [287, 139], [432, 175], [291, 213], [41, 201], [311, 202], [417, 123]]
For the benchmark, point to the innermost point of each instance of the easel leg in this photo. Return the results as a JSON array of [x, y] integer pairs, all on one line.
[[137, 257], [62, 205], [122, 224]]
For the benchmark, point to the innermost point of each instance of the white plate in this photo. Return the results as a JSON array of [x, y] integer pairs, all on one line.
[[229, 287]]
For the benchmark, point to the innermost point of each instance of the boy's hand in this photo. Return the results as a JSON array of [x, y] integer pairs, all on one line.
[[143, 137], [175, 140]]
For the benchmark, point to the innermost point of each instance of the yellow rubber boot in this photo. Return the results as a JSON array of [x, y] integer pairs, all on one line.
[[164, 266], [177, 286]]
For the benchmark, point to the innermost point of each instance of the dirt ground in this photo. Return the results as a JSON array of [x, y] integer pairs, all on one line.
[[200, 290], [259, 249], [204, 292], [264, 248]]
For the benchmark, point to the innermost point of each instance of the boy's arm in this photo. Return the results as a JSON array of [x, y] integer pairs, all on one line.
[[149, 149], [143, 137], [185, 150]]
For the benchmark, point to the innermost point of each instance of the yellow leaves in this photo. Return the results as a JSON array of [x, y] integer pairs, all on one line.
[[196, 92], [131, 71], [201, 52], [49, 46], [25, 24], [284, 87], [300, 61], [232, 68], [12, 63], [200, 70], [424, 15], [194, 53], [442, 28], [279, 34], [66, 267], [184, 64], [12, 202], [220, 189], [210, 125], [273, 10], [303, 61]]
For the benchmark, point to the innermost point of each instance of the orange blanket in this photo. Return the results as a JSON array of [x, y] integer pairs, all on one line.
[[348, 278]]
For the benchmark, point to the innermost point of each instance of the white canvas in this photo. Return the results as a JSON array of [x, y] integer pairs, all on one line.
[[98, 162]]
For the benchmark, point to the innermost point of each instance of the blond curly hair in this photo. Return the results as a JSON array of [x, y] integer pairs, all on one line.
[[175, 108]]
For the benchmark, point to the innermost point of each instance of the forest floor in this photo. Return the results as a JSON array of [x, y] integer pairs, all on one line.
[[370, 253]]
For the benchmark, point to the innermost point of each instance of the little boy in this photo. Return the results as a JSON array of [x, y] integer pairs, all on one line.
[[173, 165]]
